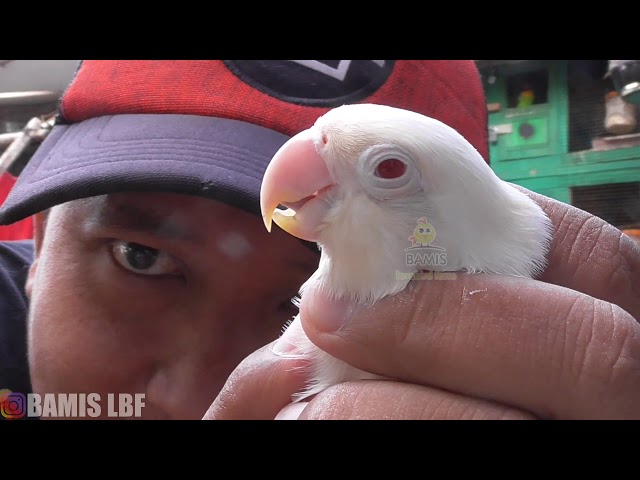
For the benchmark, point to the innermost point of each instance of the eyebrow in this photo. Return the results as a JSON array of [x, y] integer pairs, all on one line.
[[123, 216]]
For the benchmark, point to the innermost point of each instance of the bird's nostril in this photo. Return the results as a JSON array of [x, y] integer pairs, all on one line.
[[325, 139]]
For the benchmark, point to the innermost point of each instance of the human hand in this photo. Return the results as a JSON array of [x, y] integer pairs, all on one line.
[[565, 346]]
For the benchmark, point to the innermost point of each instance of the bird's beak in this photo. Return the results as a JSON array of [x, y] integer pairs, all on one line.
[[295, 175]]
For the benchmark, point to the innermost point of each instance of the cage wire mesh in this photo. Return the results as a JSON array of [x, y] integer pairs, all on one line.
[[587, 90], [589, 116]]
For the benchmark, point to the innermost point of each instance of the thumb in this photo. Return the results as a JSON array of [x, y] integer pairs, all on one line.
[[260, 387]]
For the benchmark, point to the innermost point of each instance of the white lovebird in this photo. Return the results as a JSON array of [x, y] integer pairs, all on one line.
[[387, 193]]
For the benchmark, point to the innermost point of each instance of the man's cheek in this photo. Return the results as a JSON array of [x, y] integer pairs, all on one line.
[[75, 347]]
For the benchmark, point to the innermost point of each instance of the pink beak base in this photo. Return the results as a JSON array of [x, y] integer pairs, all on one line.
[[296, 173]]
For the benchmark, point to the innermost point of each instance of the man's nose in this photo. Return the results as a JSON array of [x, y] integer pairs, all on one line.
[[185, 386], [186, 380]]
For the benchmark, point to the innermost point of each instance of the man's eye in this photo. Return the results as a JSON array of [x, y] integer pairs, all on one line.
[[143, 260]]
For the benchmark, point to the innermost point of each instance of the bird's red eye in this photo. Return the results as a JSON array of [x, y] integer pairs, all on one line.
[[390, 168]]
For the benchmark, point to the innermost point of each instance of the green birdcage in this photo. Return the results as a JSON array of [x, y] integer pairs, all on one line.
[[558, 128]]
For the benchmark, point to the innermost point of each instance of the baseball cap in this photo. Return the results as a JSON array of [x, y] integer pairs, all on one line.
[[210, 127]]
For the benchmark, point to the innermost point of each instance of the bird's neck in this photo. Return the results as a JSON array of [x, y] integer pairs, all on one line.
[[363, 256]]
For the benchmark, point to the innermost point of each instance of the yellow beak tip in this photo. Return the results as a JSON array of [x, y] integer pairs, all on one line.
[[267, 219]]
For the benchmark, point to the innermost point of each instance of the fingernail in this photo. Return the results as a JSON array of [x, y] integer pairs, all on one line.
[[291, 411], [287, 344], [327, 314]]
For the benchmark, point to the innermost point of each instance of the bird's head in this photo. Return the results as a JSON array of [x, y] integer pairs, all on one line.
[[373, 152], [378, 168]]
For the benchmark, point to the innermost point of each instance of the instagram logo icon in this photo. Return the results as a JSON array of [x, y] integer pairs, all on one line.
[[12, 404]]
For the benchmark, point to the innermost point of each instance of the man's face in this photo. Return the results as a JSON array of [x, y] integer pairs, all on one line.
[[158, 294]]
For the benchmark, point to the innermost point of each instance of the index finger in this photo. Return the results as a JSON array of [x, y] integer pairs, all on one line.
[[591, 256]]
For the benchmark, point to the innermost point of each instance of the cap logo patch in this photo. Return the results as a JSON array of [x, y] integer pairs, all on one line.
[[320, 83]]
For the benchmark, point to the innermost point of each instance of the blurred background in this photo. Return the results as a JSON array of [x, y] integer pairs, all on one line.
[[568, 129], [29, 92]]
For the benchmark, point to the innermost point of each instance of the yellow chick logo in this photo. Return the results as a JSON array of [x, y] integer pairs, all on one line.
[[423, 234]]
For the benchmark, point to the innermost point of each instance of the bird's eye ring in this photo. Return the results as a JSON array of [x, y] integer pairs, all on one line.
[[390, 168], [388, 171]]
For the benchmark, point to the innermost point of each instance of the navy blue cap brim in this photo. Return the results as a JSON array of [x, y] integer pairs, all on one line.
[[216, 158]]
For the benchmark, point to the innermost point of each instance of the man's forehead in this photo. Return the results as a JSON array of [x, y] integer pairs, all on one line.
[[161, 205], [161, 214]]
